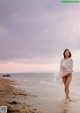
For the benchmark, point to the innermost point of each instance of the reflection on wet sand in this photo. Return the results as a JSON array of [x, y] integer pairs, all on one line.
[[65, 109]]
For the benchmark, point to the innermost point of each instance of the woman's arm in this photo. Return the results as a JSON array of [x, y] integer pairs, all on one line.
[[67, 66], [62, 64]]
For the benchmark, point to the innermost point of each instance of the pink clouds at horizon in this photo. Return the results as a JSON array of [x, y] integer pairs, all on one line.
[[12, 67]]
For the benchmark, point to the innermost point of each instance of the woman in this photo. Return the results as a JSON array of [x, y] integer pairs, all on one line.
[[66, 69]]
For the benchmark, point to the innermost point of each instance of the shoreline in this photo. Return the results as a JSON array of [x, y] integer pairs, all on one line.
[[40, 97], [12, 97]]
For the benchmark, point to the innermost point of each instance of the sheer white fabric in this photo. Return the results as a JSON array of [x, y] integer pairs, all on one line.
[[66, 67]]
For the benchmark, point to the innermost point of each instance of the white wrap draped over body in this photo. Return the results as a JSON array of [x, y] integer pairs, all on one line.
[[66, 67]]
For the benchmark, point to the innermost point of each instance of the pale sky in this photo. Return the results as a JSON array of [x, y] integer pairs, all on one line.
[[34, 34]]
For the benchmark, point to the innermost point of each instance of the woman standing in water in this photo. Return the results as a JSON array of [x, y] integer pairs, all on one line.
[[66, 69]]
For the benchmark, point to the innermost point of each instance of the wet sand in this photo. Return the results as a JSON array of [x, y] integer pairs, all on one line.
[[11, 96], [40, 98]]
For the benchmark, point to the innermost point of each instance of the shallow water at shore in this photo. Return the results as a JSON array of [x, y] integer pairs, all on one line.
[[50, 94]]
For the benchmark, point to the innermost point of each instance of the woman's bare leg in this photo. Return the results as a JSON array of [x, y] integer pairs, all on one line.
[[64, 81], [67, 81]]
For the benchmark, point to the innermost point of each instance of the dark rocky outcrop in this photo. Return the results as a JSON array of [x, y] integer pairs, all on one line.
[[6, 75]]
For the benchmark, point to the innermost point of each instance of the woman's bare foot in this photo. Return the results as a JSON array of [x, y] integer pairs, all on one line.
[[66, 101], [69, 99]]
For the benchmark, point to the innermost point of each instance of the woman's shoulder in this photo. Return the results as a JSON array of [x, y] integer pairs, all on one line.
[[71, 58], [62, 59]]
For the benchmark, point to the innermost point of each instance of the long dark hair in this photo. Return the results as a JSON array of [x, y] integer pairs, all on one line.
[[65, 51]]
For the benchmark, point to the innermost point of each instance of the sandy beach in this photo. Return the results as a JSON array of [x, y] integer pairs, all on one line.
[[10, 96], [38, 94]]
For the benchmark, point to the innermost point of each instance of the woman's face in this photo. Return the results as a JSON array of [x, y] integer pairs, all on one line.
[[66, 54]]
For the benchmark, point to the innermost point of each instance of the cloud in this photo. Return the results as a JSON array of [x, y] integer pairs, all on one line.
[[12, 67], [37, 30]]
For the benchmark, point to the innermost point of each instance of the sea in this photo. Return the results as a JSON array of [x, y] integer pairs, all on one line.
[[50, 93]]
